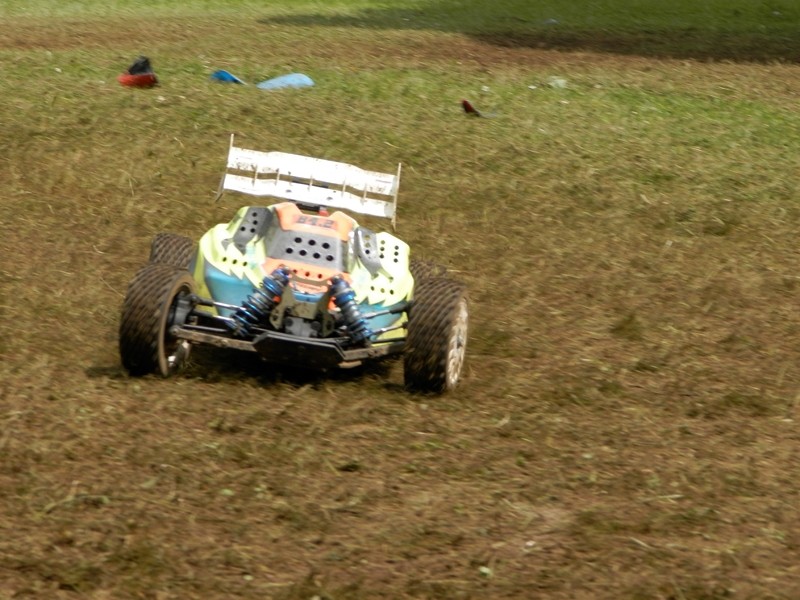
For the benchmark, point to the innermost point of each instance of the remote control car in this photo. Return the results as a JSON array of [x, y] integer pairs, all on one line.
[[296, 283]]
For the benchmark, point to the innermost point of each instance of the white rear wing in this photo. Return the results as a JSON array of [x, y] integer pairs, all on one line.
[[311, 181]]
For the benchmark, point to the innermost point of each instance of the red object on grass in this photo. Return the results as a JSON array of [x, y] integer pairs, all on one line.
[[469, 109], [143, 80], [139, 74]]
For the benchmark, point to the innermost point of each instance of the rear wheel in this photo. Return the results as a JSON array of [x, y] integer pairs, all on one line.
[[157, 299], [171, 249], [425, 269], [437, 336]]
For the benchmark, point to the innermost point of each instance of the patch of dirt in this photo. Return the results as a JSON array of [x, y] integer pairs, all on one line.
[[671, 44], [88, 35]]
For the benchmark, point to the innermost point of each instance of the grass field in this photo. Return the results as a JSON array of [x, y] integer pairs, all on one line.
[[626, 225]]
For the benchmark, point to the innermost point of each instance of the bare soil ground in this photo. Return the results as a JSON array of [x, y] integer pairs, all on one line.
[[627, 427]]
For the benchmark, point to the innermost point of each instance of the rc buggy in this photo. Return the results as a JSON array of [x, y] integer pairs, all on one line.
[[296, 283]]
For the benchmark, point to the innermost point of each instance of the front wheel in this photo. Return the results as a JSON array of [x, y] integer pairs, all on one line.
[[171, 249], [437, 336], [157, 299]]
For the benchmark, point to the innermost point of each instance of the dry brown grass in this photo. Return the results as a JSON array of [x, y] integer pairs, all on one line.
[[627, 427]]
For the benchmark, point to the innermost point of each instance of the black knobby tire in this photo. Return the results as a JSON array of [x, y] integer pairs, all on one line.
[[171, 249], [425, 269], [437, 336], [145, 344]]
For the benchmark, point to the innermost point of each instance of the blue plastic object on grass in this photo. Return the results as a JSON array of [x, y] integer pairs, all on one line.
[[292, 80], [225, 77]]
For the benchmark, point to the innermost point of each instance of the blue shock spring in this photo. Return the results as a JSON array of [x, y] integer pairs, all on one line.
[[344, 299], [256, 308]]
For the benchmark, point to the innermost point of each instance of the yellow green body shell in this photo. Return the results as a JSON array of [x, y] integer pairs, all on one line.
[[233, 258]]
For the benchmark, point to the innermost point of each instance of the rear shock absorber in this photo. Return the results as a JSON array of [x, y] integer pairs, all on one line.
[[256, 308], [344, 299]]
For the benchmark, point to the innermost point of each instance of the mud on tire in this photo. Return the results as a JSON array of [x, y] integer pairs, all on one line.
[[437, 336], [171, 249], [148, 312]]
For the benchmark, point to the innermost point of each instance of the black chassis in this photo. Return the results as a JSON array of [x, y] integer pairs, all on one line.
[[335, 351]]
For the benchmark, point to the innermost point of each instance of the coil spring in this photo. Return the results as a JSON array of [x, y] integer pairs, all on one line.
[[344, 299], [256, 308]]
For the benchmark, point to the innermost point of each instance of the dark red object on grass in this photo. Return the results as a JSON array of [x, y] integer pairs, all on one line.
[[469, 109]]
